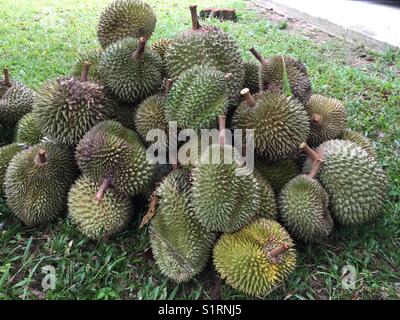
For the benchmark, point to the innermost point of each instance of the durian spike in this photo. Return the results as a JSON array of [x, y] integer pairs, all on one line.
[[257, 55], [85, 71], [168, 86], [41, 157], [276, 252], [315, 119], [103, 187], [138, 54], [221, 127], [151, 212], [195, 19], [7, 80], [248, 97], [316, 159]]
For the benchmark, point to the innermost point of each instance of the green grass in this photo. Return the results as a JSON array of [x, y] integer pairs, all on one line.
[[40, 39]]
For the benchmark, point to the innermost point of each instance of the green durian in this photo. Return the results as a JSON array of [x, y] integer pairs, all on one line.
[[6, 154], [16, 100], [277, 173], [131, 70], [280, 123], [226, 195], [197, 98], [180, 244], [354, 181], [255, 259], [97, 218], [275, 70], [93, 57], [268, 205], [304, 209], [125, 18], [112, 154], [360, 140], [251, 76], [67, 108], [209, 46], [161, 46], [37, 182], [28, 131], [328, 119]]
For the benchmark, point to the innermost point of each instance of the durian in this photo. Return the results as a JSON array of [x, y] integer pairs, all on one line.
[[97, 219], [327, 118], [226, 195], [360, 140], [28, 131], [251, 76], [209, 46], [280, 123], [67, 108], [354, 181], [115, 156], [93, 57], [255, 259], [180, 244], [37, 182], [268, 205], [131, 70], [277, 173], [6, 154], [161, 46], [275, 70], [125, 18], [304, 204], [197, 98], [151, 114], [16, 100]]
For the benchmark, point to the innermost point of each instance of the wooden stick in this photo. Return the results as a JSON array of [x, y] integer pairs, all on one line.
[[168, 86], [257, 55], [248, 97], [85, 71], [138, 54], [195, 19], [102, 189], [7, 80]]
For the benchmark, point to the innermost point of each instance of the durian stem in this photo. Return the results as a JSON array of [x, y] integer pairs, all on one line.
[[103, 187], [248, 97], [152, 210], [257, 55], [138, 54], [41, 157], [274, 253], [315, 119], [168, 86], [316, 160], [85, 71], [221, 127], [195, 19], [7, 80]]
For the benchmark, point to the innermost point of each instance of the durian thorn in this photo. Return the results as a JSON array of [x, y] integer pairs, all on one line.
[[195, 19], [7, 80], [168, 86], [41, 157], [278, 250], [316, 119], [85, 71], [257, 55], [228, 76], [138, 54], [105, 184], [221, 127], [248, 97], [151, 212]]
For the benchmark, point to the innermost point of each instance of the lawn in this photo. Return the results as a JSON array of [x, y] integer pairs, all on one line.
[[40, 40]]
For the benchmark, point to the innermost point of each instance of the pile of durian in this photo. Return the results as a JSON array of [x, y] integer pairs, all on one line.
[[78, 145]]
